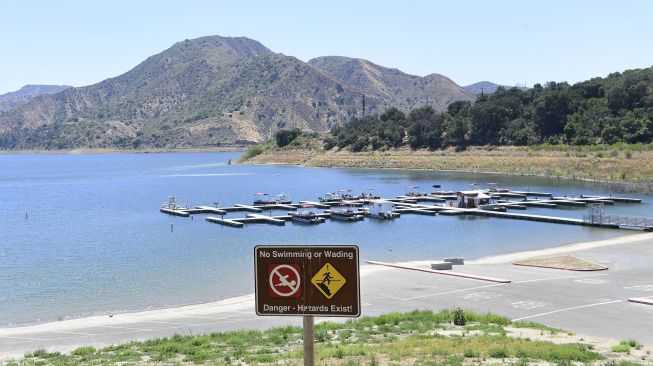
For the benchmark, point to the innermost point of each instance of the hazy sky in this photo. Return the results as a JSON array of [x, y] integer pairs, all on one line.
[[508, 42]]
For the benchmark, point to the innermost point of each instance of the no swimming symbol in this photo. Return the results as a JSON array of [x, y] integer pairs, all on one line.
[[284, 280]]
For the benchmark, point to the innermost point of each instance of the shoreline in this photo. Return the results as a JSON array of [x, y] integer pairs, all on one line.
[[81, 151], [246, 302], [618, 173]]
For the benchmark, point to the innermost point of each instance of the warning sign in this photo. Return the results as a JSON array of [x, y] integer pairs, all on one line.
[[318, 280], [284, 280], [328, 280]]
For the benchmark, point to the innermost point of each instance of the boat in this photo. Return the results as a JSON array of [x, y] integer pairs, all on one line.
[[492, 188], [382, 210], [331, 197], [306, 217], [283, 199], [413, 192], [262, 199], [365, 195], [478, 199], [173, 204], [346, 213], [440, 192]]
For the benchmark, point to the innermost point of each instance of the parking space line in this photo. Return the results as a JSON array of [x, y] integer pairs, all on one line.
[[501, 284], [567, 309], [560, 278], [451, 292]]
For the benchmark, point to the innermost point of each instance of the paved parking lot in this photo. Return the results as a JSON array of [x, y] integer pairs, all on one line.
[[591, 303]]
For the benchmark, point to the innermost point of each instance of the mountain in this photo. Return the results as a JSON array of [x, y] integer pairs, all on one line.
[[212, 91], [485, 87], [26, 93], [392, 86]]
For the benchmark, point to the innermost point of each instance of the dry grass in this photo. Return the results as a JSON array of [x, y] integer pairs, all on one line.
[[625, 170], [568, 262]]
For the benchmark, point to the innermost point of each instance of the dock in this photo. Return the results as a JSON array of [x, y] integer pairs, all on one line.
[[206, 210], [432, 205], [175, 212]]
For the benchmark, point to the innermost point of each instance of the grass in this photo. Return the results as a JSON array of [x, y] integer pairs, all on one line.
[[416, 337], [622, 167], [625, 346]]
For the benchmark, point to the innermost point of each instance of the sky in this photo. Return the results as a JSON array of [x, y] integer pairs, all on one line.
[[507, 42]]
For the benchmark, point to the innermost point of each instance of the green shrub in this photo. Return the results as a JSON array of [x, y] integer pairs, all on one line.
[[621, 347], [498, 353], [459, 317], [253, 151], [84, 351]]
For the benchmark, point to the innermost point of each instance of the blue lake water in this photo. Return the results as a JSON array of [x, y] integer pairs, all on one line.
[[82, 234]]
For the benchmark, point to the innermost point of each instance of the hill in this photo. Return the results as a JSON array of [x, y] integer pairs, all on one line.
[[209, 91], [392, 86], [26, 93], [483, 87]]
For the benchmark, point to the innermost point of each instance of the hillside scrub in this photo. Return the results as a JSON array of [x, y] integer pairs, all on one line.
[[414, 338], [600, 111]]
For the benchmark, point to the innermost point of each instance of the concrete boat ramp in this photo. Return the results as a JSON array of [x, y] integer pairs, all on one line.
[[433, 205]]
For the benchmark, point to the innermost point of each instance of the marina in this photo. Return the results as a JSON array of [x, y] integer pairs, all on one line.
[[490, 202], [104, 246]]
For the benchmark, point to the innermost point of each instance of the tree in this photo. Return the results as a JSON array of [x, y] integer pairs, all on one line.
[[285, 137]]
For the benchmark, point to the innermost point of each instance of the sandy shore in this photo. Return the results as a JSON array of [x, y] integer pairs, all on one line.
[[246, 303]]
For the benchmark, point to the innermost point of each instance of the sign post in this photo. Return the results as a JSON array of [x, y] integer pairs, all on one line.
[[308, 281], [309, 340]]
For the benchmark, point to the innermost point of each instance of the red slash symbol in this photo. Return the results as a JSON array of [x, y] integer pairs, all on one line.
[[284, 280]]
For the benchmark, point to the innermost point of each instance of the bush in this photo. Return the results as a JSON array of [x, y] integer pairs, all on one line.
[[253, 151], [498, 353], [84, 351], [459, 317], [285, 137], [621, 347]]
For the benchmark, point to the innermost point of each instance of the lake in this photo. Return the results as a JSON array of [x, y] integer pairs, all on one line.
[[82, 234]]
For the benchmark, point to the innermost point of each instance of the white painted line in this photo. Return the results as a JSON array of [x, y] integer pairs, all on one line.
[[500, 284], [528, 305], [76, 333], [32, 339], [484, 295], [567, 309], [122, 328], [451, 292], [646, 288], [446, 273], [561, 278]]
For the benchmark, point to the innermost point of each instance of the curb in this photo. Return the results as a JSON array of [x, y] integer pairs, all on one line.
[[446, 273], [560, 268], [641, 300]]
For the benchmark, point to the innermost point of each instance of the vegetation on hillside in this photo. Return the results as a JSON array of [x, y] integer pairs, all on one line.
[[415, 338], [618, 108]]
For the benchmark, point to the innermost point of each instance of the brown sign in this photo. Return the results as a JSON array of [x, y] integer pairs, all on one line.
[[307, 280]]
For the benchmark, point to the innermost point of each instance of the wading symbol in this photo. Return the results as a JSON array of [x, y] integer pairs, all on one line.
[[328, 280]]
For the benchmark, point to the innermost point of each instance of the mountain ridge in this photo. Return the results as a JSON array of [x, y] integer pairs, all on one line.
[[26, 93], [211, 91]]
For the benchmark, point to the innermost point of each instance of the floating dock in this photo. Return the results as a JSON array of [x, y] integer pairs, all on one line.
[[437, 205]]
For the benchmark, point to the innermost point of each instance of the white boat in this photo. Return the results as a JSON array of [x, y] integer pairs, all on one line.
[[478, 199], [382, 210]]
